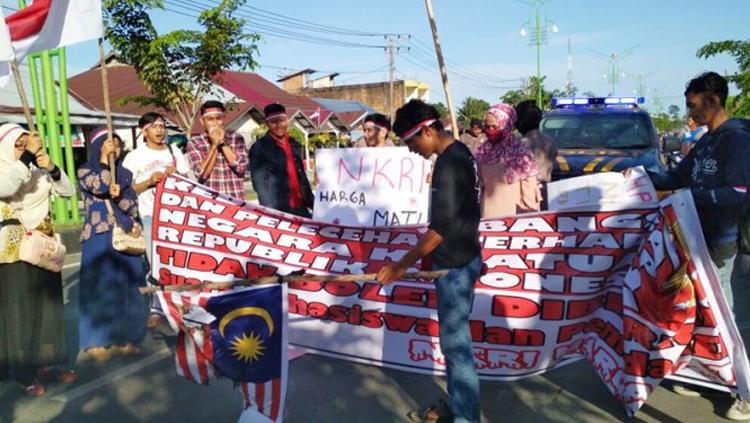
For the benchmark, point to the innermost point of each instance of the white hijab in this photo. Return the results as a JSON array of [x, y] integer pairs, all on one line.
[[29, 190]]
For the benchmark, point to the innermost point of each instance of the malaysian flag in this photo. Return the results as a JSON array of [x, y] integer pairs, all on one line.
[[240, 334]]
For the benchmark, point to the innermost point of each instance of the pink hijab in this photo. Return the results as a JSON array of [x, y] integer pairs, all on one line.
[[503, 146]]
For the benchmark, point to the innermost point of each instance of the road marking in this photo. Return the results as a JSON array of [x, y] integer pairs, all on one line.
[[74, 264], [112, 377]]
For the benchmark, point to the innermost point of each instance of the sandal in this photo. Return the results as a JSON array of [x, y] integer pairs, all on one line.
[[99, 354], [128, 349], [34, 390], [49, 374], [154, 320], [439, 413]]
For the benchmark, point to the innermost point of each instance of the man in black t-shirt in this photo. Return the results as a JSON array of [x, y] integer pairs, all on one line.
[[452, 241]]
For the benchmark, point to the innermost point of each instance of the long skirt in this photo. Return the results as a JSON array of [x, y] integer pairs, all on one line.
[[32, 323], [112, 311]]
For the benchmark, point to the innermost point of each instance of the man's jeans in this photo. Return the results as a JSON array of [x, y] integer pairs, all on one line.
[[455, 293], [723, 256]]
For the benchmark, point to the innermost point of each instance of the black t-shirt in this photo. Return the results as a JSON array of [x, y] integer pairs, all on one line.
[[454, 211]]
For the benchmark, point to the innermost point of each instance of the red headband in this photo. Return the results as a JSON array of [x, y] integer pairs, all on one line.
[[418, 127], [375, 125]]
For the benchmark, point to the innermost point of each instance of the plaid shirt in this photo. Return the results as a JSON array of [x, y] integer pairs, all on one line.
[[224, 178]]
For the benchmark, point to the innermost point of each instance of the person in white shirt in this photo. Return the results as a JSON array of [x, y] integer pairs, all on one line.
[[150, 163]]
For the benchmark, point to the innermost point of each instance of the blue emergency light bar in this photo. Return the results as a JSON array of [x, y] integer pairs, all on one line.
[[597, 101]]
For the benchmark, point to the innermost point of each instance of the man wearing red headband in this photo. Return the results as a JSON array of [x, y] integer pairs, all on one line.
[[376, 129], [218, 157], [276, 167]]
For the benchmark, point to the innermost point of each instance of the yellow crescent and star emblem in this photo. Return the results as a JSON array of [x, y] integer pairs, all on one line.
[[248, 347]]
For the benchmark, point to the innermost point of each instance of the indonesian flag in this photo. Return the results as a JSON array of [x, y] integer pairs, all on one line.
[[6, 52], [316, 116], [50, 24]]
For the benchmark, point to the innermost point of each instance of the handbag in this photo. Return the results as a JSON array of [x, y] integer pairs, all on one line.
[[126, 242], [42, 250]]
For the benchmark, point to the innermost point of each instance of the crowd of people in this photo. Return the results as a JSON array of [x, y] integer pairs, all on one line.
[[498, 168]]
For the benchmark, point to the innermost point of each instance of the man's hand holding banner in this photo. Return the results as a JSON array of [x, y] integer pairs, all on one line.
[[632, 291]]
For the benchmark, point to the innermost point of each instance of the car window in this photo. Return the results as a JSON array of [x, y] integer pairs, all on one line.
[[598, 130]]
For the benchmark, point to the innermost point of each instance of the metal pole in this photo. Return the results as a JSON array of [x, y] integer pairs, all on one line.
[[538, 60], [443, 72], [53, 133], [36, 94], [69, 161]]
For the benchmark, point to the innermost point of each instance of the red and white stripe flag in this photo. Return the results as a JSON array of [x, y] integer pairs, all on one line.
[[50, 24], [6, 52]]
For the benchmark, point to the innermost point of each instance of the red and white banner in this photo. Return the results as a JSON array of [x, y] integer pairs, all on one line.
[[633, 292], [50, 24]]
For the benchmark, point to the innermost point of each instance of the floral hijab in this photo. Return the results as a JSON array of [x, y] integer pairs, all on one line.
[[505, 147], [124, 177]]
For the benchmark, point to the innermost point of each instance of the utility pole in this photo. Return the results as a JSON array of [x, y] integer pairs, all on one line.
[[613, 68], [391, 49], [443, 72], [569, 82], [536, 29]]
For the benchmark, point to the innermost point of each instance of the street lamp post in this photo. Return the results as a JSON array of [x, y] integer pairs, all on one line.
[[536, 30]]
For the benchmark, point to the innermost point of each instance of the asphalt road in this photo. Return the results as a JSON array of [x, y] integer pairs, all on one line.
[[146, 389]]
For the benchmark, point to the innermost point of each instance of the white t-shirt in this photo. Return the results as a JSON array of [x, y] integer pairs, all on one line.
[[144, 162]]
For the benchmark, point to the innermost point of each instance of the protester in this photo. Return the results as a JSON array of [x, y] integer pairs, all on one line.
[[692, 134], [542, 146], [32, 324], [276, 167], [473, 137], [150, 163], [218, 157], [375, 131], [717, 172], [452, 242], [112, 311], [507, 169]]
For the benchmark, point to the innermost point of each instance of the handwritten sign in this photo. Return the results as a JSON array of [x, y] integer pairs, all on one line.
[[372, 187], [603, 191]]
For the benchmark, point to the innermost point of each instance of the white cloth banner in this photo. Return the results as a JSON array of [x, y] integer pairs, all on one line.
[[372, 187]]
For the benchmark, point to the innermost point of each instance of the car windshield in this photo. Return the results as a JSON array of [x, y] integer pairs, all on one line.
[[598, 130]]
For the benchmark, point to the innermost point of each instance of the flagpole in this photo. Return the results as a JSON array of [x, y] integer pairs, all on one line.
[[22, 94], [443, 72], [107, 109], [275, 280]]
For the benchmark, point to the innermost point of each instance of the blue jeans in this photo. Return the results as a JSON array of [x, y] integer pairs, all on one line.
[[455, 292], [723, 256]]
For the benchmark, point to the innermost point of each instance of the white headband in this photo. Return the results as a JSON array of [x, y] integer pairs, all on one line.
[[418, 127], [276, 116]]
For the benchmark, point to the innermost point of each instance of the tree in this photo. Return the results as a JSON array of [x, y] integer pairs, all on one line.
[[472, 108], [442, 110], [674, 111], [529, 91], [181, 67], [740, 50]]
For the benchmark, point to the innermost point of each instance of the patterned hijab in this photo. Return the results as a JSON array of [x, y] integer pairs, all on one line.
[[505, 147], [124, 177]]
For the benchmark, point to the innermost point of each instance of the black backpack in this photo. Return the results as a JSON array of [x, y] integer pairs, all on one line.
[[744, 222]]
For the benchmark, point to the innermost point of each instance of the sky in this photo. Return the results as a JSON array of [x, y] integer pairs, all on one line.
[[481, 41]]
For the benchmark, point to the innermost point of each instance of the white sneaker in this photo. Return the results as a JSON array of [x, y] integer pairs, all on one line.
[[684, 390], [739, 411]]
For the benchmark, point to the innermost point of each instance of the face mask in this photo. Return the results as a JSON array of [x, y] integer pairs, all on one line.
[[493, 134]]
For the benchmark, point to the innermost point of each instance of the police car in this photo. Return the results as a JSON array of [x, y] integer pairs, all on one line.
[[603, 134]]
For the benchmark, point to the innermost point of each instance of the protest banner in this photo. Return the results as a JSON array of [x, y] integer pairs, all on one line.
[[603, 191], [632, 291], [371, 187]]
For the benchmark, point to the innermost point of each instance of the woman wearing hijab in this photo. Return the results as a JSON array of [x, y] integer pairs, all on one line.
[[32, 324], [507, 169], [112, 311]]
